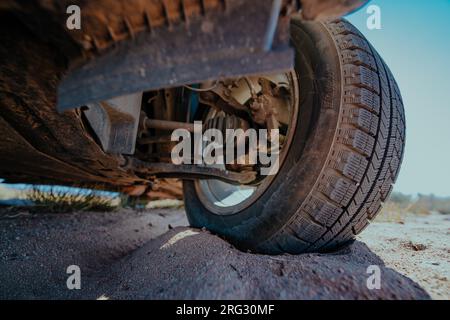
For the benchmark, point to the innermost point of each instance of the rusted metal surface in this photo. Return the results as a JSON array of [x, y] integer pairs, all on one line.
[[234, 41], [155, 140], [107, 22], [187, 41], [327, 9], [167, 125], [38, 145], [266, 105], [227, 104], [166, 189], [168, 170], [267, 102], [160, 189]]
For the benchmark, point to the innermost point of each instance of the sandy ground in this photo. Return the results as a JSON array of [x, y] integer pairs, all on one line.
[[148, 255], [418, 248]]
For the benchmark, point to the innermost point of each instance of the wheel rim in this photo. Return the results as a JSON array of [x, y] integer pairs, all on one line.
[[222, 198]]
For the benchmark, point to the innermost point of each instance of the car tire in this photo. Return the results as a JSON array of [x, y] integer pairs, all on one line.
[[344, 157]]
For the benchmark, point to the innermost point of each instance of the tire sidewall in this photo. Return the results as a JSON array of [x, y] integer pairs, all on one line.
[[320, 84]]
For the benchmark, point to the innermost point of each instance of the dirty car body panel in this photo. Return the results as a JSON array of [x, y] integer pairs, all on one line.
[[46, 69]]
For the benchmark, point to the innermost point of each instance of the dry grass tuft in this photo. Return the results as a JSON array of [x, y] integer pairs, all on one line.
[[62, 200], [400, 205]]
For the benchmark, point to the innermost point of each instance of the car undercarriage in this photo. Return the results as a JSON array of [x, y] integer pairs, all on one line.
[[88, 66], [310, 112]]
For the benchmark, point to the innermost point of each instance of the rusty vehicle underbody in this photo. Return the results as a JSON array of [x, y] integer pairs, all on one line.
[[97, 106], [44, 65]]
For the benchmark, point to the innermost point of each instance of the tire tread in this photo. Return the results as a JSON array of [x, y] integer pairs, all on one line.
[[366, 154]]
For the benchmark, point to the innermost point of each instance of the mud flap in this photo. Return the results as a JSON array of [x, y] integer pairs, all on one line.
[[240, 39]]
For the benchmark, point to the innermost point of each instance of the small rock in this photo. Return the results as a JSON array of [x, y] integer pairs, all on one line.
[[415, 246]]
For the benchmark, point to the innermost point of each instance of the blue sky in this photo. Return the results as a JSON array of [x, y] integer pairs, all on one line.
[[415, 42]]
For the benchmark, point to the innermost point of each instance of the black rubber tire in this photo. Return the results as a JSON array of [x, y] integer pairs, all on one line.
[[341, 167]]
